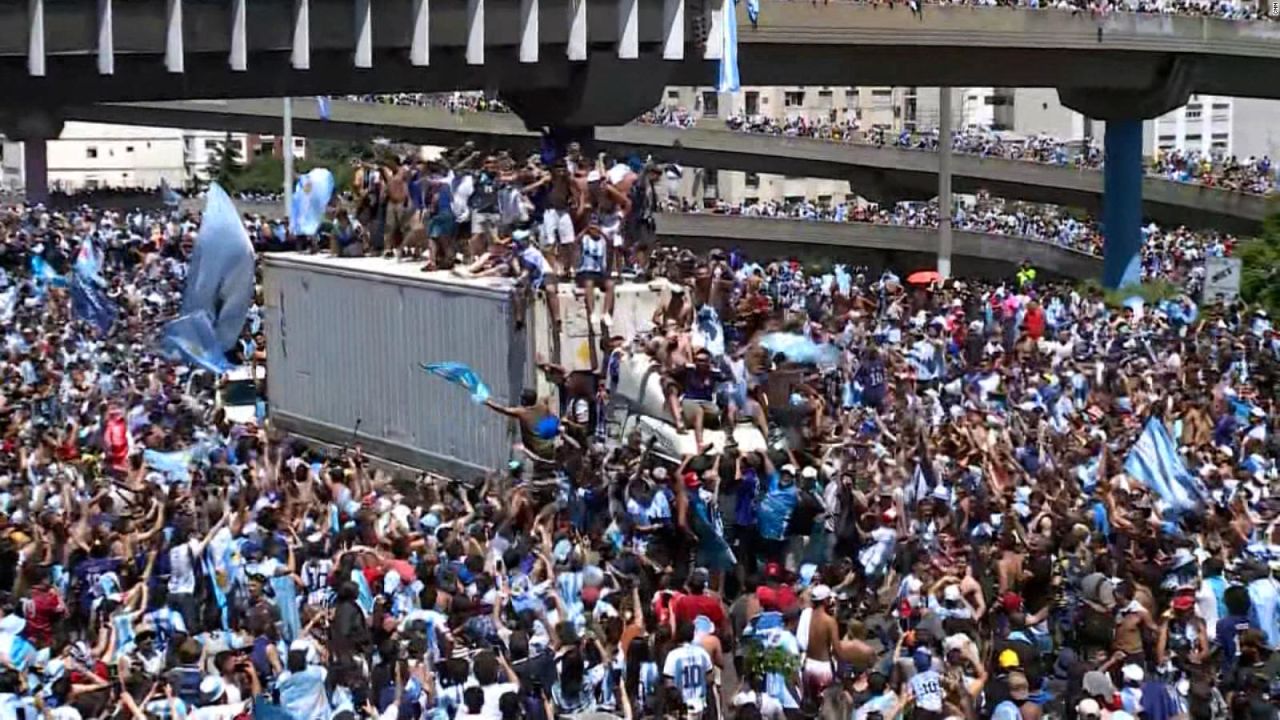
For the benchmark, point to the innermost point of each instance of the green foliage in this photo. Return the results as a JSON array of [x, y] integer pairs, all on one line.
[[1260, 275], [265, 173], [762, 659], [1151, 292], [225, 164]]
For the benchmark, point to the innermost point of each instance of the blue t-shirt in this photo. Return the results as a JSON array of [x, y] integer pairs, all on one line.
[[775, 508]]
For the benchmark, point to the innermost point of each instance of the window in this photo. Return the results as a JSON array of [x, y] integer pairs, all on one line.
[[91, 184], [1222, 106], [997, 100], [1220, 136], [793, 98], [91, 152], [1167, 138], [824, 200], [753, 103], [753, 180], [1194, 106], [128, 148], [1193, 138], [1219, 145], [710, 103], [1193, 114], [299, 143], [882, 93], [825, 99], [210, 144], [751, 200], [673, 94]]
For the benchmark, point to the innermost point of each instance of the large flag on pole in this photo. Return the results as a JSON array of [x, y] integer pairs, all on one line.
[[322, 106], [1153, 461]]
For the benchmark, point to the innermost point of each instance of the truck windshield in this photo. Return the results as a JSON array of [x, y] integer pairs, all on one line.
[[239, 392]]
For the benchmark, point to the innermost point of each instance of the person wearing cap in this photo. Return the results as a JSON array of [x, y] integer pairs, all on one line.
[[1131, 691], [700, 601], [780, 497], [819, 635], [1183, 637]]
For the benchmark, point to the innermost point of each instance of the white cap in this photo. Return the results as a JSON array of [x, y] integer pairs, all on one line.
[[789, 468], [212, 688], [1133, 673], [809, 472], [1088, 706], [951, 593], [820, 593]]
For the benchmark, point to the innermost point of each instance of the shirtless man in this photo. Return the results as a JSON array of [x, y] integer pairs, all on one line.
[[824, 635], [399, 208]]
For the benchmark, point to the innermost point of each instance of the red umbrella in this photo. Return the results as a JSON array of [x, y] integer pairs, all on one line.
[[924, 277]]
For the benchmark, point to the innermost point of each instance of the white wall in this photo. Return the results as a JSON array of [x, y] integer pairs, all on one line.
[[98, 155]]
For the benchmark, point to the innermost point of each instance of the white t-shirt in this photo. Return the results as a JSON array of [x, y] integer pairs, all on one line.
[[493, 694], [182, 577], [688, 667], [927, 687]]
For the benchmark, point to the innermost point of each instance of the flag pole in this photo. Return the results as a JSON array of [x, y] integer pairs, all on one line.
[[288, 158]]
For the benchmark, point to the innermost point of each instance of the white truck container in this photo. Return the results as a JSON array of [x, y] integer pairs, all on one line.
[[346, 339]]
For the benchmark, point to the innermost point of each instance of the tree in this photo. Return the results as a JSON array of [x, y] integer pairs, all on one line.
[[1260, 274], [225, 164]]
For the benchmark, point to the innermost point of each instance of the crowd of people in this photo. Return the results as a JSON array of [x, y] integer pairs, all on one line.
[[1169, 253], [1242, 10], [943, 516], [1253, 175]]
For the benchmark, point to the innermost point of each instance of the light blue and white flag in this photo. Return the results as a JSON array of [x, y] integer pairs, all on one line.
[[461, 375], [729, 80], [753, 11], [220, 275], [191, 338], [1153, 461], [322, 106], [311, 195]]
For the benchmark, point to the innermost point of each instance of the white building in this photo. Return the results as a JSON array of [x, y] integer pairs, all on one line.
[[1242, 127], [96, 155]]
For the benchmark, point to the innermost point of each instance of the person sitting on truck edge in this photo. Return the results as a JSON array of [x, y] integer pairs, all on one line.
[[691, 395]]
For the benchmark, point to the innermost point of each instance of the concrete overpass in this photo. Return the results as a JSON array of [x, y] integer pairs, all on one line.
[[602, 62], [876, 246], [883, 174], [75, 51]]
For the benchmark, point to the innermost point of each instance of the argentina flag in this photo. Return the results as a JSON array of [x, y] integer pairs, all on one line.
[[460, 375], [729, 80], [1153, 461], [322, 106]]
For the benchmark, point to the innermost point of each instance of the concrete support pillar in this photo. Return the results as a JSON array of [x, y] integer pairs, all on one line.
[[1122, 203], [944, 182], [35, 170]]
